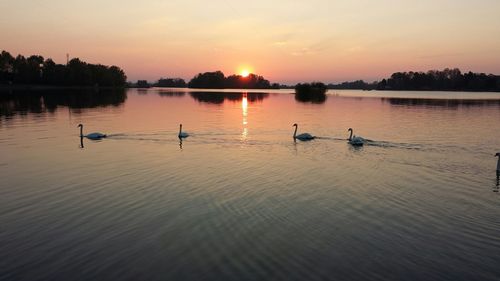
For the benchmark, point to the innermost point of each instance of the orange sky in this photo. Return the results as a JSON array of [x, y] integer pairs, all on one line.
[[285, 41]]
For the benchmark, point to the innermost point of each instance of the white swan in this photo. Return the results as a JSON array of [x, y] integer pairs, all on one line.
[[181, 133], [92, 136], [302, 137], [356, 141], [498, 163]]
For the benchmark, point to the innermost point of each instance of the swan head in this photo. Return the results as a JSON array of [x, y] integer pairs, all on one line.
[[294, 125], [498, 154], [79, 125], [349, 130]]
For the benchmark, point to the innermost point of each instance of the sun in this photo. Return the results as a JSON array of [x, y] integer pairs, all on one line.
[[244, 72]]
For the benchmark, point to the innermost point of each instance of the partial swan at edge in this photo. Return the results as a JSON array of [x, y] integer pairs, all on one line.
[[181, 133], [302, 137], [92, 136], [498, 163], [354, 140]]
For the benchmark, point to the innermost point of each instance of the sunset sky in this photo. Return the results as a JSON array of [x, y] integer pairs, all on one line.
[[285, 41]]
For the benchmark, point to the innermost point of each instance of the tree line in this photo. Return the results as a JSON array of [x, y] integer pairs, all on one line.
[[35, 70], [432, 80], [445, 80], [354, 85], [217, 80], [212, 80]]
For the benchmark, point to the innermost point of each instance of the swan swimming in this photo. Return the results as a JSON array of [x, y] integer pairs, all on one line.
[[302, 137], [181, 133], [92, 136], [354, 140]]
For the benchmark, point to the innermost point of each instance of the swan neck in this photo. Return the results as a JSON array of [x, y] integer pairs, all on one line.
[[81, 131], [350, 136], [295, 132], [498, 165], [180, 129]]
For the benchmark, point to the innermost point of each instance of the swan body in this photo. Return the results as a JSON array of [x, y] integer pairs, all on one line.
[[498, 163], [181, 133], [303, 136], [92, 136], [95, 136], [354, 140]]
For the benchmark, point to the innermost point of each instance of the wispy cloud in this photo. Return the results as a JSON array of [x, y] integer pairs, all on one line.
[[280, 43], [315, 48], [437, 56], [302, 52]]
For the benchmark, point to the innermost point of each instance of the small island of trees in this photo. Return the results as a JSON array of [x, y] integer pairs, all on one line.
[[35, 70], [212, 80], [311, 92], [217, 80]]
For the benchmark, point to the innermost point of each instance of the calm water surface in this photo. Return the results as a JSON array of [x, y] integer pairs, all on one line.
[[238, 199]]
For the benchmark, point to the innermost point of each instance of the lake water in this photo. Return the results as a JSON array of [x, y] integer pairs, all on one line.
[[239, 199]]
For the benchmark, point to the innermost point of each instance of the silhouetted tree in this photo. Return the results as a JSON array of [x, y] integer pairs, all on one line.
[[117, 77], [358, 85], [142, 84], [36, 70], [311, 92], [217, 80], [6, 67], [251, 81], [444, 80], [171, 83], [208, 80]]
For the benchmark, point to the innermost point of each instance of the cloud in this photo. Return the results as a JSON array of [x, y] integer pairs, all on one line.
[[280, 43], [437, 56], [356, 49], [303, 52]]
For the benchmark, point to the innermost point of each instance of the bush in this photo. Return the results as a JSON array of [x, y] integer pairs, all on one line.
[[311, 92]]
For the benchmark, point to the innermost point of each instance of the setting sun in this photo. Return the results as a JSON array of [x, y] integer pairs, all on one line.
[[244, 73]]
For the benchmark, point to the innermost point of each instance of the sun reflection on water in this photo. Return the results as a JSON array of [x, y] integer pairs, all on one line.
[[244, 109]]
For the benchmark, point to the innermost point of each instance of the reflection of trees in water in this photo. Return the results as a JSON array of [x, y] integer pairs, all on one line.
[[40, 101], [220, 97], [142, 91], [311, 92], [161, 92], [317, 99], [451, 103], [171, 93]]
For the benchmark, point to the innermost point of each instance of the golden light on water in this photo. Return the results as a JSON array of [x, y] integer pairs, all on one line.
[[244, 109]]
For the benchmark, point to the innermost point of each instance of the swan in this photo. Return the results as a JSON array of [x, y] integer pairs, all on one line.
[[498, 163], [354, 140], [181, 133], [92, 136], [302, 137]]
